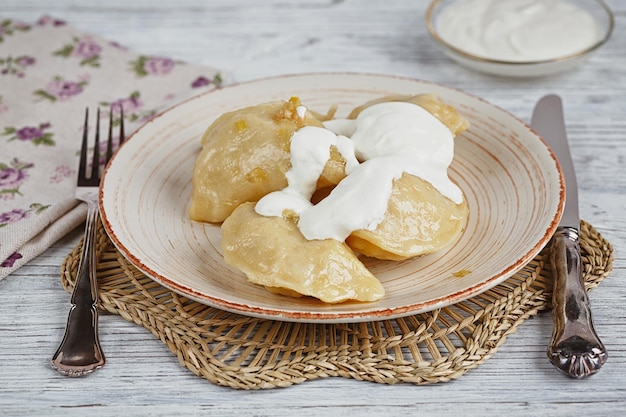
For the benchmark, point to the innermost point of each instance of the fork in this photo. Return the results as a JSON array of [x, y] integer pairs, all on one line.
[[79, 353]]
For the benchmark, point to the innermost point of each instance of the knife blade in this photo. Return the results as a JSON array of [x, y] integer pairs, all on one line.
[[575, 347]]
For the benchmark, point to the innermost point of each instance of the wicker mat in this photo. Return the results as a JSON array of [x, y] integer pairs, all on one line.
[[250, 353]]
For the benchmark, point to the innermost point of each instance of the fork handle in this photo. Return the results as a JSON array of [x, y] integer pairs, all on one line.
[[79, 353]]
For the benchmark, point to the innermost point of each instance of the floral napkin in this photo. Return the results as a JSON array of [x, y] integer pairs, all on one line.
[[49, 74]]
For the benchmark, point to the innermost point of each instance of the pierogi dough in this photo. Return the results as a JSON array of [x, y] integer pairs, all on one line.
[[430, 102], [272, 252], [419, 220], [245, 155]]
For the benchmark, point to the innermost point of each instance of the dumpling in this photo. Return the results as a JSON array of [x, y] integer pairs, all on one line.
[[430, 102], [245, 156], [419, 220], [272, 252]]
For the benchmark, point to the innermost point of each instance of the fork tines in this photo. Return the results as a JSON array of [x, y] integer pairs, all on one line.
[[121, 138], [93, 178]]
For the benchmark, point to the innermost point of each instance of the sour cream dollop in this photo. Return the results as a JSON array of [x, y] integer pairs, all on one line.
[[386, 140], [518, 30]]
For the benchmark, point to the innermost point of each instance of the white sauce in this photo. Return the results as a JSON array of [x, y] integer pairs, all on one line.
[[301, 110], [390, 138], [518, 30]]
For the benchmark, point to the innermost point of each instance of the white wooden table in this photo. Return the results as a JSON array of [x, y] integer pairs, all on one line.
[[252, 39]]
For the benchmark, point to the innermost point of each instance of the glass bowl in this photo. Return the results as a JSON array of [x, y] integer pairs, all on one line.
[[597, 8]]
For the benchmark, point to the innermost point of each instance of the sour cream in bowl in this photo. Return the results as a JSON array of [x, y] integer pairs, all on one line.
[[519, 38]]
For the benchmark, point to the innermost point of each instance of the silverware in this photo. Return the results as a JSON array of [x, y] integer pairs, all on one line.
[[79, 353], [575, 348]]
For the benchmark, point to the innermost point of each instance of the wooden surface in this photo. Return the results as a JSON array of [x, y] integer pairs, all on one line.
[[251, 39]]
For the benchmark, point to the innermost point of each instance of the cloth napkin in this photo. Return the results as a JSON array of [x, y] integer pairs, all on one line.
[[49, 74]]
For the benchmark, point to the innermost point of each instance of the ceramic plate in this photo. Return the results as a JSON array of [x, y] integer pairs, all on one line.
[[511, 180]]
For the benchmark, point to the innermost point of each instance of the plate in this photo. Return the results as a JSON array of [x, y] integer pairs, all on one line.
[[512, 182]]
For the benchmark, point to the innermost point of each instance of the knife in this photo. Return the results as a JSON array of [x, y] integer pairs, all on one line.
[[575, 348]]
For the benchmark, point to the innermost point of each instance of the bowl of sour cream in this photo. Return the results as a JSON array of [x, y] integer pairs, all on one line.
[[519, 38]]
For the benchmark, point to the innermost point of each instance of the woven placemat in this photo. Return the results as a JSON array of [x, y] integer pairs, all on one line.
[[250, 353]]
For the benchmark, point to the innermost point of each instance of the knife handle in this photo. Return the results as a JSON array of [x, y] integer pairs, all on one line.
[[575, 347]]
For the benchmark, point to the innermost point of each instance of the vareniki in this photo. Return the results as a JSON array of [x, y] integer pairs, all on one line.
[[318, 190]]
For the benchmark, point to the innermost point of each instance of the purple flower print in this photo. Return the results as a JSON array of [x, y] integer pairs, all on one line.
[[29, 133], [12, 216], [12, 176], [130, 104], [200, 82], [10, 261], [63, 171], [15, 66], [9, 27], [17, 214], [15, 174], [133, 109], [203, 81], [159, 66], [37, 135], [61, 89], [25, 61], [145, 66], [50, 21], [85, 48]]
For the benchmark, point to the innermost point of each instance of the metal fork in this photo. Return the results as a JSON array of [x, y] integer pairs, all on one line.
[[79, 353]]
